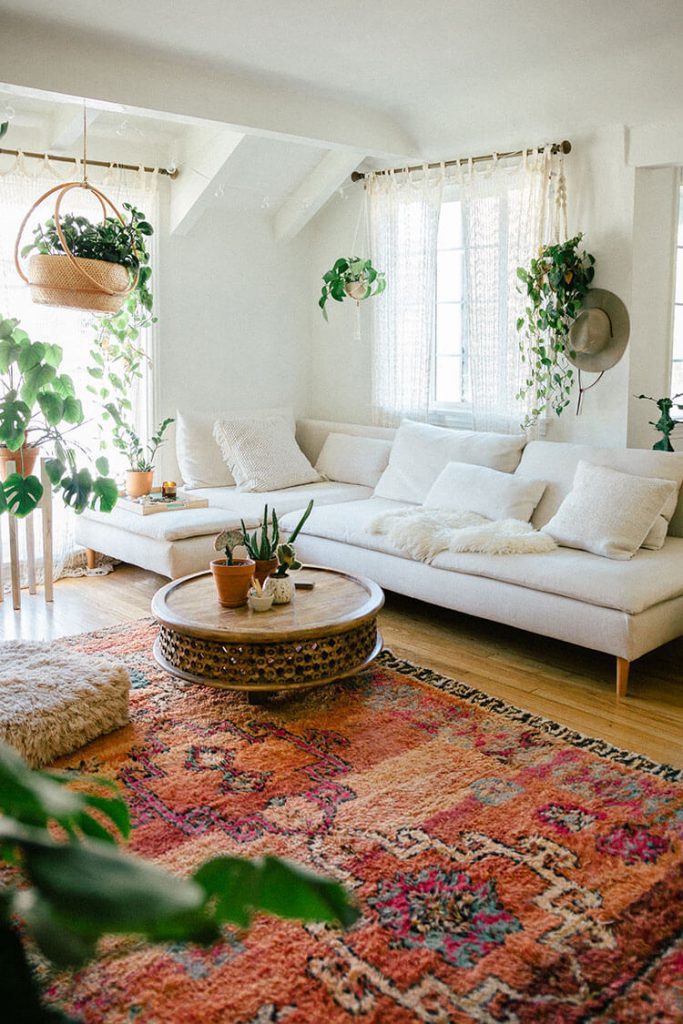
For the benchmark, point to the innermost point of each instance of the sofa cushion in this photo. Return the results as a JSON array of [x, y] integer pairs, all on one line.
[[556, 463], [171, 526], [353, 460], [627, 586], [420, 451], [262, 454], [200, 461], [609, 513], [461, 487], [289, 499]]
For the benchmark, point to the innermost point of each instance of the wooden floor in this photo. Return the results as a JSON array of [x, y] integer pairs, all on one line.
[[566, 683]]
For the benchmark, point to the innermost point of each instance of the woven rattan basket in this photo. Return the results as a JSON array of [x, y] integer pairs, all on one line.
[[59, 281]]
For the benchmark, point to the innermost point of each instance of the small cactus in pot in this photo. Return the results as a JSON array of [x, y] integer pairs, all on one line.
[[232, 576]]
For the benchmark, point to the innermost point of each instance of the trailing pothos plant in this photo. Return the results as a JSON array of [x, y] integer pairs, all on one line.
[[556, 283], [66, 883], [39, 408], [351, 277]]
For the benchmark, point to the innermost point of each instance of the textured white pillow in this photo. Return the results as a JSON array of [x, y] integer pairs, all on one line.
[[352, 459], [263, 455], [200, 461], [461, 487], [607, 512], [420, 451]]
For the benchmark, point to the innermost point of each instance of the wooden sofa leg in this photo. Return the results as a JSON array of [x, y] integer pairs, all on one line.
[[90, 558], [622, 676]]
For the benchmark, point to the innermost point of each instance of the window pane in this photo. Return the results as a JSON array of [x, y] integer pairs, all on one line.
[[450, 226], [679, 275], [676, 387], [680, 216], [449, 328], [448, 379], [678, 332], [449, 277]]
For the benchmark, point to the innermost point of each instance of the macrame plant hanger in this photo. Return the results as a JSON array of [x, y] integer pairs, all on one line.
[[362, 227], [71, 281]]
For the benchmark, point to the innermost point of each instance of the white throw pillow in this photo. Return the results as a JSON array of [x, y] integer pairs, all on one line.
[[263, 455], [609, 513], [353, 459], [462, 487], [420, 451], [200, 460]]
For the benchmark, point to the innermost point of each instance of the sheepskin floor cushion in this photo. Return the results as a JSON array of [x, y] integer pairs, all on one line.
[[54, 701]]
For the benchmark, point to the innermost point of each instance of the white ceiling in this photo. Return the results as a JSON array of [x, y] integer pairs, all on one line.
[[457, 75]]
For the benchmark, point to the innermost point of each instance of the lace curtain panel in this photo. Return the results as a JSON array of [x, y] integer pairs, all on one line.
[[509, 209], [404, 221], [22, 180]]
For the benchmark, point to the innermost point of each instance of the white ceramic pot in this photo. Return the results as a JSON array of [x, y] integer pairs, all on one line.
[[260, 603], [282, 589]]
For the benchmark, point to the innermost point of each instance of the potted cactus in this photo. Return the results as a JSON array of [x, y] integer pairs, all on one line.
[[282, 585], [232, 576], [263, 547]]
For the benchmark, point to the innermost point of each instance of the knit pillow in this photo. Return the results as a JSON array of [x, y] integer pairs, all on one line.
[[263, 455], [609, 513]]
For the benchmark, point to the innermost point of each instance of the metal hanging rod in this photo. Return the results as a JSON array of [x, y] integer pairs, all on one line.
[[90, 162], [557, 147]]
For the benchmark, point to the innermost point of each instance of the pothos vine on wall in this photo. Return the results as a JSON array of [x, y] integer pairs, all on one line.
[[556, 284]]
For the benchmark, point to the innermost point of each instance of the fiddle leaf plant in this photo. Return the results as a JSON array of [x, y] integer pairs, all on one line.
[[351, 277], [556, 283], [66, 883], [39, 409], [666, 423]]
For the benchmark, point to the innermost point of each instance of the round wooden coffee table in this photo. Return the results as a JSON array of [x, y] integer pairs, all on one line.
[[325, 634]]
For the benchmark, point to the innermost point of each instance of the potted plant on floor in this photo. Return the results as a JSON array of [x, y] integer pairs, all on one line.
[[39, 410], [351, 277], [140, 457], [78, 264], [556, 284], [262, 546], [232, 576]]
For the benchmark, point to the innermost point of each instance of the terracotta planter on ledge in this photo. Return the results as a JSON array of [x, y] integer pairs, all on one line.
[[233, 582], [138, 482], [24, 458]]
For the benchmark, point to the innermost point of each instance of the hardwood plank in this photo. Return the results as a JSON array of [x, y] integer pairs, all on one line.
[[571, 685]]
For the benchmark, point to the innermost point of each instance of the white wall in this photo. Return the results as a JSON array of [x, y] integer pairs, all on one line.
[[627, 214]]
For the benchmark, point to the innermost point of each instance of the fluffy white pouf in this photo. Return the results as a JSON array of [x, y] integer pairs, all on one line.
[[53, 701]]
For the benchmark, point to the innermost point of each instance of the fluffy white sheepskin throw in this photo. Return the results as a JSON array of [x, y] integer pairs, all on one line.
[[423, 532], [53, 701]]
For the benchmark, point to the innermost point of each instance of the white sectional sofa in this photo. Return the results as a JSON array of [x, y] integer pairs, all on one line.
[[624, 608]]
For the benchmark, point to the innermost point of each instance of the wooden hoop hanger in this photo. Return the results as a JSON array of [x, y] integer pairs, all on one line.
[[104, 201]]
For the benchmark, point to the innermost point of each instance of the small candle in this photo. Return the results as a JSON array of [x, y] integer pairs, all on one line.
[[168, 489]]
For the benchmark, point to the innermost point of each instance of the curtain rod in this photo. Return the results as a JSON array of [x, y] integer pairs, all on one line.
[[91, 163], [556, 147]]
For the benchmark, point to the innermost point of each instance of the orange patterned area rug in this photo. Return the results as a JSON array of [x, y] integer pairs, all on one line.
[[508, 869]]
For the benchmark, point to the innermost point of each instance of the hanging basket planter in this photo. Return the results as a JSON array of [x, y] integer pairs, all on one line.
[[76, 282]]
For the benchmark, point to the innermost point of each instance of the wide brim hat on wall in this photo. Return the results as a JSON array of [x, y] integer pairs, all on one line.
[[599, 335]]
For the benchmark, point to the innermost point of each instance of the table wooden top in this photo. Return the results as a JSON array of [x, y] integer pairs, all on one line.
[[337, 603]]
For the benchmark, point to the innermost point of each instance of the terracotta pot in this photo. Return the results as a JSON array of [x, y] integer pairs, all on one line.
[[282, 588], [138, 483], [264, 567], [233, 582], [25, 459]]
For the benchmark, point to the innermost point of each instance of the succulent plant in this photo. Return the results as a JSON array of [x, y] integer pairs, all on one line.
[[227, 541], [287, 560], [263, 547]]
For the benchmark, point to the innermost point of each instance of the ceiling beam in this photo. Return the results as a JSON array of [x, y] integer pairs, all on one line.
[[314, 191], [202, 164], [160, 81], [67, 127]]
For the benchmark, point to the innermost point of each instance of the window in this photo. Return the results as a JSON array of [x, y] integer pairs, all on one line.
[[450, 384], [677, 362]]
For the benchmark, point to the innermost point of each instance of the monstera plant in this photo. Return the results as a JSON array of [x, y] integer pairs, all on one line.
[[39, 411]]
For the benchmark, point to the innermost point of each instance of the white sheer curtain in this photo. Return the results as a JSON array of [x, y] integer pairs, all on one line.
[[404, 220], [21, 182], [510, 210]]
